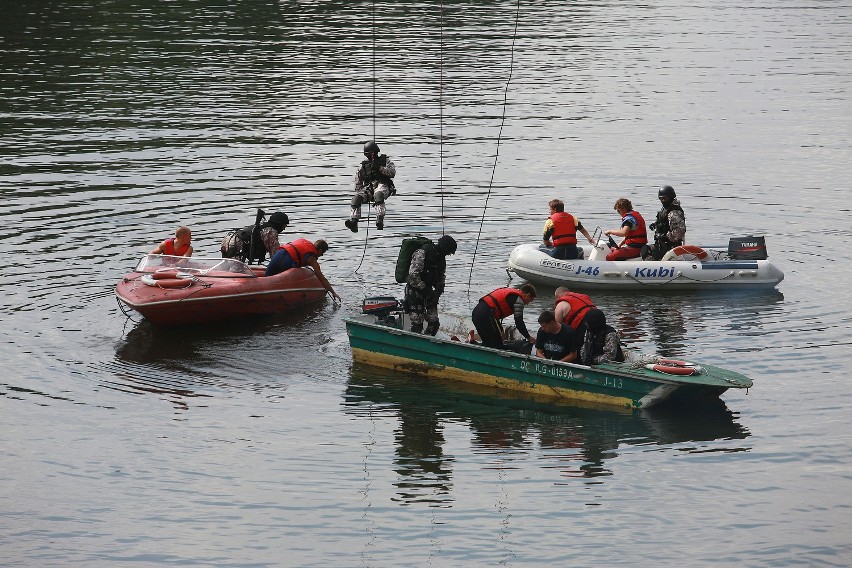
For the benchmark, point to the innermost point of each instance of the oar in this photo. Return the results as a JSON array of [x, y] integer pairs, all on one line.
[[257, 220]]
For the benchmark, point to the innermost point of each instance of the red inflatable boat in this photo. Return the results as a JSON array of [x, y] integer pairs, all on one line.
[[174, 290]]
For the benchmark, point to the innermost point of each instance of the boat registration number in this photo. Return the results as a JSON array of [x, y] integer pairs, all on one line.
[[549, 370]]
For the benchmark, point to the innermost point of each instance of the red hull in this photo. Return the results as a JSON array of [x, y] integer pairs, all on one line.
[[210, 298]]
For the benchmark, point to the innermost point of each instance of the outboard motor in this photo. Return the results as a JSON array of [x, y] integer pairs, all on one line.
[[386, 309], [747, 248]]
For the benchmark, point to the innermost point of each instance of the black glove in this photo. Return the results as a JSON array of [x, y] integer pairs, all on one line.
[[375, 167], [427, 292], [652, 226], [439, 289]]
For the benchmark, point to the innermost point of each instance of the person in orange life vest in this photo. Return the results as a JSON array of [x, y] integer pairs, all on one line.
[[501, 303], [178, 246], [560, 231], [298, 253], [632, 229], [570, 307]]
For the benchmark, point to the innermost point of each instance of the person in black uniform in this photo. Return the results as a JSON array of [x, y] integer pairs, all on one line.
[[669, 228], [425, 283]]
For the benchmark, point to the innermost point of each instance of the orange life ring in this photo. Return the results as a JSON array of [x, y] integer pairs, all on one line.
[[674, 367], [689, 252]]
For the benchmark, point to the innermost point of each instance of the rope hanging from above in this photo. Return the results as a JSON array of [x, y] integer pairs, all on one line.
[[499, 136]]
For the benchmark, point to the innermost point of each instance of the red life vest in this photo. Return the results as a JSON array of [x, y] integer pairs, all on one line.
[[498, 301], [638, 236], [580, 304], [564, 229], [299, 250], [169, 248]]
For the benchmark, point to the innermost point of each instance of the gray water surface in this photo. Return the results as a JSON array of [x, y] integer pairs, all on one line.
[[259, 443]]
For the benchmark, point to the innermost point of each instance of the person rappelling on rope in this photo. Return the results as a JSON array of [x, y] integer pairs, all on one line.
[[373, 184]]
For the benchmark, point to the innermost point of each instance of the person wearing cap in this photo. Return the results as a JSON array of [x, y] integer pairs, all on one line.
[[373, 184], [427, 276], [498, 304], [560, 232], [178, 246], [237, 244], [301, 253], [669, 228], [598, 342]]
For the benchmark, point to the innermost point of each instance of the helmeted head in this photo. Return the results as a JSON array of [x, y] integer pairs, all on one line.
[[666, 194], [371, 148], [595, 319], [279, 220], [447, 245]]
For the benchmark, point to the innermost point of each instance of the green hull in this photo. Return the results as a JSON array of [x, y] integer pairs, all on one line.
[[621, 385]]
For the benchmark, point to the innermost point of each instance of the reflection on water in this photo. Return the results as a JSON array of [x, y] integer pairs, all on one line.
[[576, 441], [197, 361]]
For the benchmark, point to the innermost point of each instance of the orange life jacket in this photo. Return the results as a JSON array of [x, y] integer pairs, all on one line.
[[169, 248], [580, 304], [564, 229], [498, 301], [638, 236], [299, 250]]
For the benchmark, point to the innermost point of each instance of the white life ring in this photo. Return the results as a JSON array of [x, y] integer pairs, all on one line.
[[686, 252], [674, 367]]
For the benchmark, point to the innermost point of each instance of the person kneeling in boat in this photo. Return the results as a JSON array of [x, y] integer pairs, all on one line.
[[373, 184], [632, 230], [554, 340], [599, 342], [570, 308], [424, 285], [560, 232], [499, 304], [301, 252], [178, 246], [669, 228], [238, 243]]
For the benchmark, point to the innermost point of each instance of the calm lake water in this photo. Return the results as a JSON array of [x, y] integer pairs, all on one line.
[[259, 443]]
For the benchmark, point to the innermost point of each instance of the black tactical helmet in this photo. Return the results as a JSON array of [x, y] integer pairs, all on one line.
[[280, 219], [447, 245], [371, 148], [595, 319], [667, 191]]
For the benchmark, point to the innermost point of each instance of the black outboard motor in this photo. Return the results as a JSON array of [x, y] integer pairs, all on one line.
[[387, 309], [747, 248]]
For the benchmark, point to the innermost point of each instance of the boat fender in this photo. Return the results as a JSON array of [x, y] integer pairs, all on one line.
[[686, 252], [674, 367], [177, 281]]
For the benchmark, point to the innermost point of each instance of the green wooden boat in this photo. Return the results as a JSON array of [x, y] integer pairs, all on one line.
[[380, 339]]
